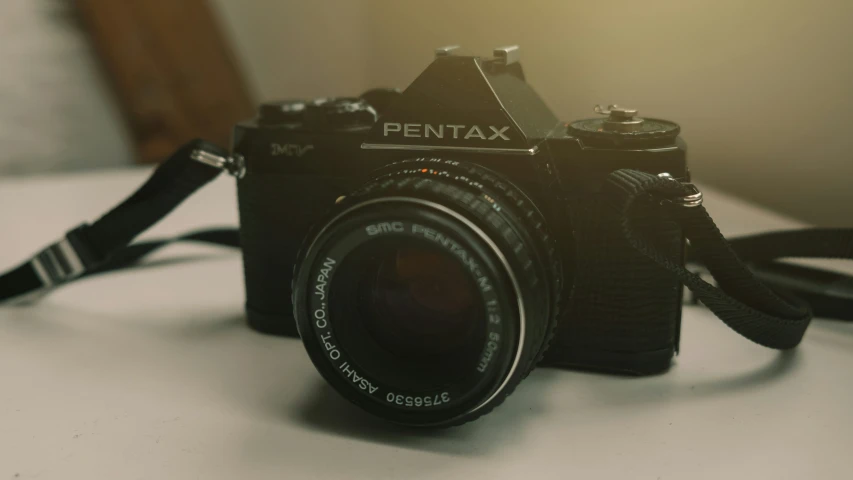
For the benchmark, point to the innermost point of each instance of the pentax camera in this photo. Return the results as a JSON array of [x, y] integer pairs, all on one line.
[[431, 246]]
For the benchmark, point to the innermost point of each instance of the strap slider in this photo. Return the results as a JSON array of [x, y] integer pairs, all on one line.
[[58, 263], [235, 164], [692, 199], [66, 259]]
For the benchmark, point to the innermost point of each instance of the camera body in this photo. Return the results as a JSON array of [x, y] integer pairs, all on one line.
[[618, 312]]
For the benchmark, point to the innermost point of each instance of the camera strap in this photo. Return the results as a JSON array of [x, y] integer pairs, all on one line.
[[772, 318], [103, 245], [767, 316]]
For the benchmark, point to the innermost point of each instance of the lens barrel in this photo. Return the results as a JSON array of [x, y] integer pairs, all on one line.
[[429, 293]]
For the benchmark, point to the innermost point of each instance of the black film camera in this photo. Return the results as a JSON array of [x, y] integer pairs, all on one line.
[[430, 245]]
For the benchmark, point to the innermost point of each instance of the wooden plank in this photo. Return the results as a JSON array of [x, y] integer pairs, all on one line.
[[172, 70]]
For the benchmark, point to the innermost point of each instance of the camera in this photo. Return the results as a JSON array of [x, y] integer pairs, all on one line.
[[431, 246]]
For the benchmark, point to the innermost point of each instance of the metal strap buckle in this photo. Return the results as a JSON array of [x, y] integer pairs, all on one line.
[[235, 165], [693, 199], [58, 263]]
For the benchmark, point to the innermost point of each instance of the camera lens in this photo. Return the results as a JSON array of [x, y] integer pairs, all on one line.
[[428, 293]]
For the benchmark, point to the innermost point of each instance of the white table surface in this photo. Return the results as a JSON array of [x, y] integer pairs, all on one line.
[[152, 374]]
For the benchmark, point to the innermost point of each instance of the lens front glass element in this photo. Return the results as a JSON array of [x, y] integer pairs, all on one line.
[[418, 303], [409, 313]]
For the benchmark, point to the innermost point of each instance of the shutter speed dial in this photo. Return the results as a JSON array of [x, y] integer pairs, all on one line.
[[623, 126]]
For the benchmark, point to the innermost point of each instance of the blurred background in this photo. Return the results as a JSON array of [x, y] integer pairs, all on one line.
[[762, 89]]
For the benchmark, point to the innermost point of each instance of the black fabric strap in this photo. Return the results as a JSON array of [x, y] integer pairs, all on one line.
[[767, 317], [802, 243], [171, 183], [89, 248], [19, 281], [131, 254]]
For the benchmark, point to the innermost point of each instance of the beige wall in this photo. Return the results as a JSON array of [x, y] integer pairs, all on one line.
[[763, 89], [299, 48]]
